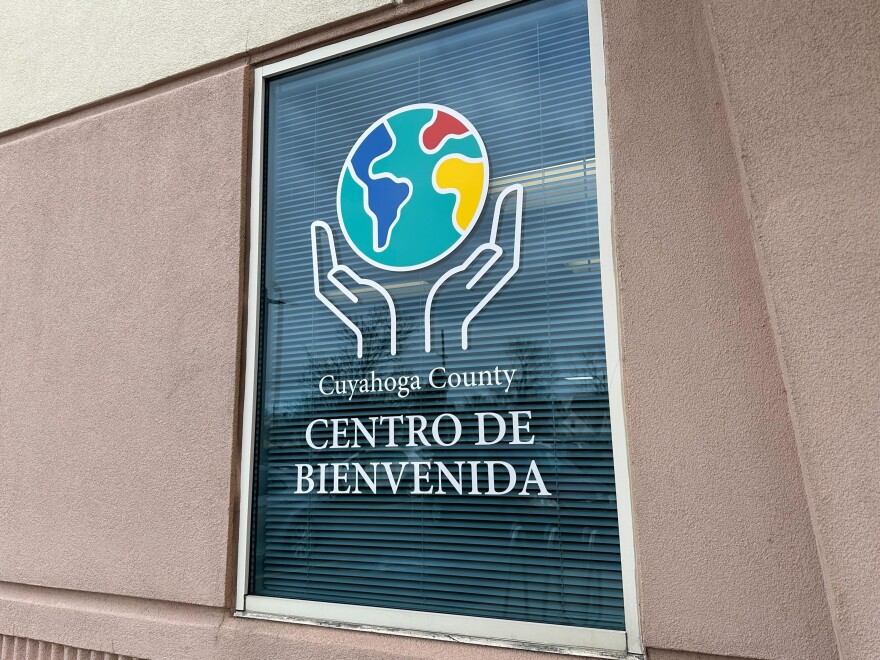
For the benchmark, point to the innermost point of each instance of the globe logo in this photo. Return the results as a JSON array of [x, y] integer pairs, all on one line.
[[412, 187]]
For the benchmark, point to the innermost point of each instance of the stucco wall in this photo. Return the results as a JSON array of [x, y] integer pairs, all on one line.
[[22, 648], [59, 55], [803, 83], [727, 560], [744, 146], [120, 263], [162, 630], [663, 654]]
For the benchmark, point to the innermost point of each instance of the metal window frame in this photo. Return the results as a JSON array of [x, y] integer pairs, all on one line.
[[495, 632]]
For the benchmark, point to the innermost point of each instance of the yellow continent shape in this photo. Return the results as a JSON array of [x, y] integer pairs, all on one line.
[[465, 178]]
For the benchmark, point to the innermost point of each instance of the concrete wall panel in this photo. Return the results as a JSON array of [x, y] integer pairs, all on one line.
[[21, 648], [58, 55], [663, 654], [726, 557], [803, 83], [119, 291], [119, 286], [175, 631]]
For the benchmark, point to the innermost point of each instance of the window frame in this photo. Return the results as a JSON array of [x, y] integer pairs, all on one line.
[[594, 642]]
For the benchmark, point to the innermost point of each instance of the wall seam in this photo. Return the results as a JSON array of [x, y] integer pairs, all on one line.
[[749, 205], [390, 13], [241, 342], [122, 99]]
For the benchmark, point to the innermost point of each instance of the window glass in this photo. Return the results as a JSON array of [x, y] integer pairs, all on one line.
[[425, 474]]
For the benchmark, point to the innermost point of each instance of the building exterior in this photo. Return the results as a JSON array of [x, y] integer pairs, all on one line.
[[427, 329]]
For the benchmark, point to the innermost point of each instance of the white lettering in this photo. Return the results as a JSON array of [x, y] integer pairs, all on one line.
[[534, 476], [321, 385], [369, 436], [511, 475], [456, 484], [360, 473], [420, 432], [394, 484], [475, 485], [304, 473], [517, 426], [481, 427], [509, 376], [435, 430], [391, 420], [340, 479], [431, 382], [339, 433], [419, 477], [309, 433], [322, 471]]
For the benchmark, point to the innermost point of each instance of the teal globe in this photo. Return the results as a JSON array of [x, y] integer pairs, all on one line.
[[412, 187]]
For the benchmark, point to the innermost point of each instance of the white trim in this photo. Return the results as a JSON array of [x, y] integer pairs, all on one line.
[[496, 252], [321, 228], [592, 641], [514, 634], [248, 426], [612, 329]]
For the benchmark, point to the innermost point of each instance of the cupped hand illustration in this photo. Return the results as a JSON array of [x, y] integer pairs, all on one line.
[[492, 264], [341, 290]]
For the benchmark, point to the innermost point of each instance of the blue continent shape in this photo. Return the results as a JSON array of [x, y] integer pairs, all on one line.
[[384, 195]]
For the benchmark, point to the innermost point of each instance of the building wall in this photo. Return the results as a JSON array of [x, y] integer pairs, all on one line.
[[13, 648], [727, 559], [90, 51], [803, 83], [122, 243], [744, 156]]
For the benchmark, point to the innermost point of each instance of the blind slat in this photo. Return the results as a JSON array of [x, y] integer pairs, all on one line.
[[522, 76]]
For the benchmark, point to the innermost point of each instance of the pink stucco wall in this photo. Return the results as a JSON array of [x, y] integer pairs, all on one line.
[[803, 84], [665, 654], [727, 559], [164, 630], [120, 261], [744, 149]]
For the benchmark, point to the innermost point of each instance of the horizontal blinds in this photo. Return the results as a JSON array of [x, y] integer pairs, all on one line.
[[522, 76]]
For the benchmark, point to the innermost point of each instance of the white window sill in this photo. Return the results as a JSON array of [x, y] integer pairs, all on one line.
[[547, 638]]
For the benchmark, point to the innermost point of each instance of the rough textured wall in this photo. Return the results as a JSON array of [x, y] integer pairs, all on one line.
[[727, 560], [119, 285], [803, 81], [118, 391], [658, 654], [176, 631], [120, 46], [20, 648]]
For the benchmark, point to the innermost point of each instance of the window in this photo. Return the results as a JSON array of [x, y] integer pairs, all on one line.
[[429, 427]]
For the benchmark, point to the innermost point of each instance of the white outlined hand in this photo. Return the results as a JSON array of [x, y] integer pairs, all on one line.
[[331, 279], [501, 264]]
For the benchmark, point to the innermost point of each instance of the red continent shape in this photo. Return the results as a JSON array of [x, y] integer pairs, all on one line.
[[443, 124]]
